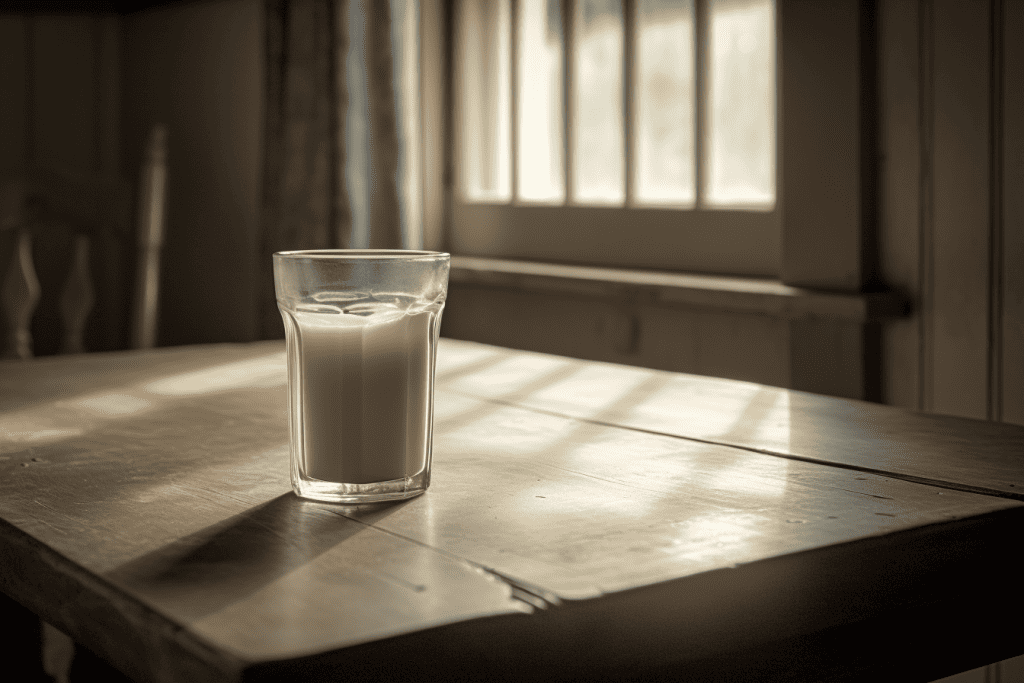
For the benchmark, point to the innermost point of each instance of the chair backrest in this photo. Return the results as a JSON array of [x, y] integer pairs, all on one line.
[[66, 255]]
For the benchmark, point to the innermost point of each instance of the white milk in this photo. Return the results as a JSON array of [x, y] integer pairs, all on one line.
[[365, 394]]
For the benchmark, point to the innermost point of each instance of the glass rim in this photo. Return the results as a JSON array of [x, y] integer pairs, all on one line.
[[362, 255]]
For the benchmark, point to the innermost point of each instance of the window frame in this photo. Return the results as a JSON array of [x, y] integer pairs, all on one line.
[[826, 166], [697, 238]]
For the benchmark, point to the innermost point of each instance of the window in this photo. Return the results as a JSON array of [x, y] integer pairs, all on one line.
[[635, 133]]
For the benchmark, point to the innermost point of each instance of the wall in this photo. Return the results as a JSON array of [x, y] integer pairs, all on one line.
[[951, 225], [198, 68], [59, 92]]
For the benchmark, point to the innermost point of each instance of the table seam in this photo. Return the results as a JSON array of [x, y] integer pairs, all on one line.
[[533, 595], [914, 479]]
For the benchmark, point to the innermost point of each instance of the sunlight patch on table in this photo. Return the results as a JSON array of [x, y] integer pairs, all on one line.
[[763, 477], [703, 416], [27, 431], [506, 432], [265, 371], [455, 357], [112, 403], [552, 499], [41, 424], [593, 389], [54, 421], [719, 534], [510, 376]]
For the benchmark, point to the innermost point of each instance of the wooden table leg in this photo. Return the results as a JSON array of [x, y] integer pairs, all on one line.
[[58, 653]]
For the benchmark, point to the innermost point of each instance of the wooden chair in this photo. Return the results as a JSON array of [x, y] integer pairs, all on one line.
[[64, 254], [65, 259]]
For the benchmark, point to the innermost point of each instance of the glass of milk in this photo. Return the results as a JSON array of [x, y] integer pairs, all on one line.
[[361, 329]]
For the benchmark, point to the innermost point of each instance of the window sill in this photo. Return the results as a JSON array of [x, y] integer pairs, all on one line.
[[759, 296]]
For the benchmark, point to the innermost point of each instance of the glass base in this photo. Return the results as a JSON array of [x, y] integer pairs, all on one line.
[[376, 492]]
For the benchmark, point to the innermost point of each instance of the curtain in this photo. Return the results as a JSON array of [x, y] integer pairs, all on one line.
[[332, 149]]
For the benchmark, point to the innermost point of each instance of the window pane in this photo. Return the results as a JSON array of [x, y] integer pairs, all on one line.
[[741, 106], [598, 163], [485, 99], [541, 174], [664, 113]]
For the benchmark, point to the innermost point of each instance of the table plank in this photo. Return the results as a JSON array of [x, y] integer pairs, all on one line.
[[959, 453], [150, 517], [673, 507], [171, 490]]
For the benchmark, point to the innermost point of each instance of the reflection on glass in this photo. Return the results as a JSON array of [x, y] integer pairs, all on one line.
[[741, 104], [485, 99], [664, 113], [598, 168], [539, 87]]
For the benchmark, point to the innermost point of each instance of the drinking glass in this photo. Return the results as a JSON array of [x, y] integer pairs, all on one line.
[[361, 330]]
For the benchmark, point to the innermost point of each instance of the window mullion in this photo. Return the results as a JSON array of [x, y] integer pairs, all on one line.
[[628, 100], [513, 100], [701, 68], [568, 22]]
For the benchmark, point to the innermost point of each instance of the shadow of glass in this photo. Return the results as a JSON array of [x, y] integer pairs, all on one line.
[[208, 570]]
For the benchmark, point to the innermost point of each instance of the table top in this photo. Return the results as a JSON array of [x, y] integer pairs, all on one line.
[[584, 519]]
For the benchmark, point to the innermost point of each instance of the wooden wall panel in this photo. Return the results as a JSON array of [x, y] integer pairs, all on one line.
[[108, 95], [754, 348], [13, 91], [961, 192], [60, 92], [668, 345], [828, 357], [964, 274], [747, 347], [1013, 217], [900, 192], [820, 165], [583, 328], [64, 80]]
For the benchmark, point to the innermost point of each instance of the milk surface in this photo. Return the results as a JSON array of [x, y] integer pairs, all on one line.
[[365, 391]]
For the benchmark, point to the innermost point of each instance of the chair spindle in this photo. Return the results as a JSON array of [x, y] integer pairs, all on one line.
[[20, 296], [77, 299], [152, 208]]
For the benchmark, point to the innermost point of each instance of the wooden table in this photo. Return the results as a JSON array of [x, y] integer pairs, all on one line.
[[584, 520]]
